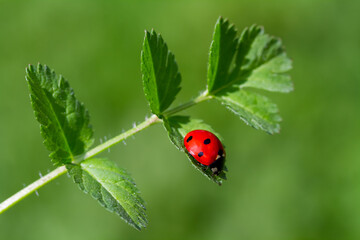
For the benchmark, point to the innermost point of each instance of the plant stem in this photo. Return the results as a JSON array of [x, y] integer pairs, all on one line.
[[31, 188], [102, 147], [61, 170], [91, 153], [203, 97]]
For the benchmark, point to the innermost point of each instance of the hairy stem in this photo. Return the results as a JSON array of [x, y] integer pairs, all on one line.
[[31, 188], [93, 152], [61, 170], [102, 147]]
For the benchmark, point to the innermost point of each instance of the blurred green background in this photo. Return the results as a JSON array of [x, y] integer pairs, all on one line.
[[301, 184]]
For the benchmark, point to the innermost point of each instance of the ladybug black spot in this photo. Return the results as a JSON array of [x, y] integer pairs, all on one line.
[[200, 154], [220, 152], [189, 139], [207, 141]]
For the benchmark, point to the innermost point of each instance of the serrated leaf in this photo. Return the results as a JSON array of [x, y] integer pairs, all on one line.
[[246, 40], [64, 121], [222, 51], [257, 60], [161, 79], [267, 64], [112, 187], [254, 109], [177, 127], [271, 76]]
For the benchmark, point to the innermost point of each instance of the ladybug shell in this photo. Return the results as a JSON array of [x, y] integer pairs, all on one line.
[[204, 146]]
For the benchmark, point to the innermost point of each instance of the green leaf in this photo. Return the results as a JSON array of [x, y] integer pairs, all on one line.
[[177, 127], [64, 121], [247, 38], [161, 79], [222, 51], [266, 67], [255, 60], [112, 187], [254, 109]]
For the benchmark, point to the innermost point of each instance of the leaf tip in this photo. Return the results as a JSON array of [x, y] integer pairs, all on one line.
[[147, 34], [29, 68], [153, 32], [39, 67]]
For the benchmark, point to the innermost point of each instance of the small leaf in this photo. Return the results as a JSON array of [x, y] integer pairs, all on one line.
[[112, 187], [222, 51], [160, 75], [64, 121], [254, 109], [177, 127]]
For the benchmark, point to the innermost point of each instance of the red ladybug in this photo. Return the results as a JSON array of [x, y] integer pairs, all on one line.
[[206, 148]]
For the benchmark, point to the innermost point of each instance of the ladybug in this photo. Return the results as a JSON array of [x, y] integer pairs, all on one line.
[[206, 148]]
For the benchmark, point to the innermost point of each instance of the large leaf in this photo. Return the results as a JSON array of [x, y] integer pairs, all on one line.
[[112, 187], [177, 127], [256, 60], [64, 121], [160, 75], [254, 109]]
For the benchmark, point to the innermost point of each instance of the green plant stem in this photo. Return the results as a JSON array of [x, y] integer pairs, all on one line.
[[31, 188], [203, 97], [61, 170], [91, 153], [102, 147]]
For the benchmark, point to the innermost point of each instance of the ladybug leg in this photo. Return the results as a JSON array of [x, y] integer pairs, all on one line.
[[218, 166]]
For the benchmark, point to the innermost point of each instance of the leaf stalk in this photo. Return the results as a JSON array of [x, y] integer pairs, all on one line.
[[202, 97]]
